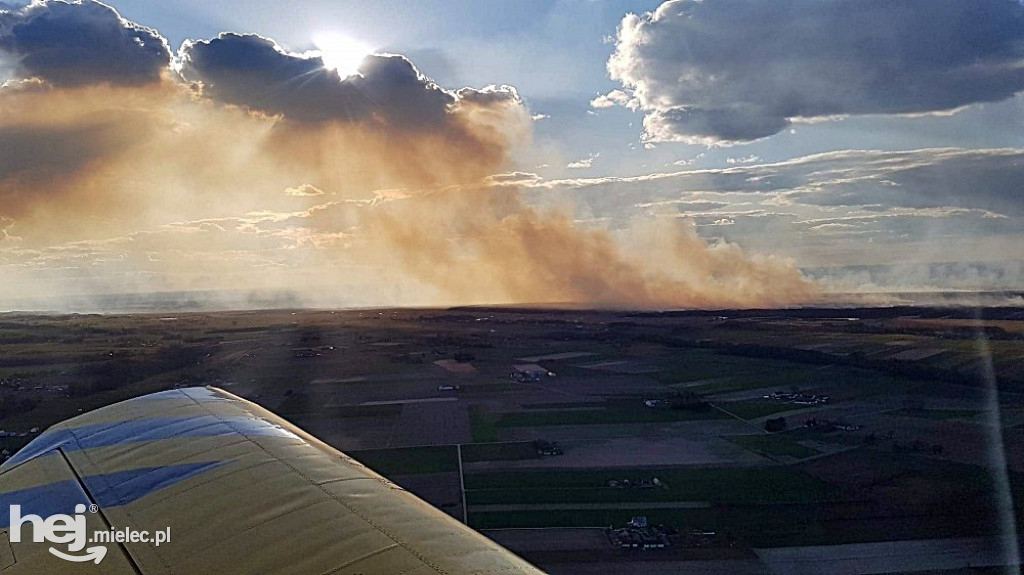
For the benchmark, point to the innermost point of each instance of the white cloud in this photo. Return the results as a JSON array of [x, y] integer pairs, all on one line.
[[614, 98], [751, 159], [584, 163], [708, 71], [304, 190]]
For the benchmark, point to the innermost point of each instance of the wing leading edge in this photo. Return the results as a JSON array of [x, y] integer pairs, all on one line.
[[241, 490]]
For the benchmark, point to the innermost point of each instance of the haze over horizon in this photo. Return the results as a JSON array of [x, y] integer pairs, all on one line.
[[702, 154]]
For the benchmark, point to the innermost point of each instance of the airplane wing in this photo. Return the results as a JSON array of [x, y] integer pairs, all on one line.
[[241, 490]]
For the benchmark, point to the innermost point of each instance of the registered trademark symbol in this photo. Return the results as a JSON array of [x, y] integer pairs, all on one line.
[[94, 508]]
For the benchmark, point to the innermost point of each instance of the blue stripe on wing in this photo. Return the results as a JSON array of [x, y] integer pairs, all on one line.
[[123, 487], [145, 430], [44, 500], [107, 490]]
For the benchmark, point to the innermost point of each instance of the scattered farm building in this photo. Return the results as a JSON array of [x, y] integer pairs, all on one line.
[[529, 372]]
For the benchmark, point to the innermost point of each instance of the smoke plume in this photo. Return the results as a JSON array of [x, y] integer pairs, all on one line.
[[374, 189]]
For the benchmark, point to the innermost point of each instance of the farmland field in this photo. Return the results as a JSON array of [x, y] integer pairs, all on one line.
[[899, 452]]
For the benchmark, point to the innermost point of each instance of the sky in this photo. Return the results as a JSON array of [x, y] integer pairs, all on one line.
[[711, 153]]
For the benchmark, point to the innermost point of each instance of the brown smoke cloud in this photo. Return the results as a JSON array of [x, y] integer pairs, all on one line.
[[120, 189], [262, 170], [497, 248]]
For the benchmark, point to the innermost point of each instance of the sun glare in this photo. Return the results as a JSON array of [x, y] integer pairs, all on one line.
[[341, 53]]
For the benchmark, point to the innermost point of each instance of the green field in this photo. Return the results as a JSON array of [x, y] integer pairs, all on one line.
[[754, 408], [938, 413], [775, 484], [696, 364], [564, 405], [727, 373], [842, 438], [614, 411], [783, 377], [769, 525], [300, 405], [483, 424], [766, 507], [773, 446], [409, 460], [483, 388], [509, 451]]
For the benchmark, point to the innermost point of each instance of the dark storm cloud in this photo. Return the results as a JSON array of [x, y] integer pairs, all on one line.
[[254, 72], [79, 43], [738, 70]]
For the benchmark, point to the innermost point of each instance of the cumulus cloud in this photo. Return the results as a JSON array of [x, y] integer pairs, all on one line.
[[81, 42], [489, 96], [725, 71], [613, 98], [584, 163], [255, 72]]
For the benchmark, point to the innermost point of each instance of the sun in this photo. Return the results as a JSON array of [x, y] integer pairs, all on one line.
[[341, 53]]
